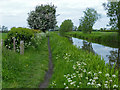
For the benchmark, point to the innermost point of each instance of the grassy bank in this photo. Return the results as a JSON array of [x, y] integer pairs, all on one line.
[[75, 68], [25, 71], [105, 38]]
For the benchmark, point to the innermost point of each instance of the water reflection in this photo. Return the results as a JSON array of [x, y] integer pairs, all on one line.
[[108, 53], [87, 46]]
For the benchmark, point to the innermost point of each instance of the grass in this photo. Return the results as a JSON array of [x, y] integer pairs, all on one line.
[[105, 38], [25, 71], [3, 35], [75, 68]]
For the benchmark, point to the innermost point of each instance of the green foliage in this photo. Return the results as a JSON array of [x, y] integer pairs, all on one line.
[[25, 71], [42, 18], [113, 11], [66, 26], [79, 28], [75, 68], [19, 34], [89, 19]]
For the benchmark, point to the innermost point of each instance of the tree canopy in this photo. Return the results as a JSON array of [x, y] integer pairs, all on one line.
[[42, 18], [113, 11], [66, 26], [89, 19]]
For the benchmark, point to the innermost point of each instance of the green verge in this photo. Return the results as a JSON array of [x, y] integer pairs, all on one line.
[[105, 38], [25, 71], [75, 68]]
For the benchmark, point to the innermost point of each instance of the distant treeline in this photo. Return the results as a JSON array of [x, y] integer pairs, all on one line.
[[4, 31]]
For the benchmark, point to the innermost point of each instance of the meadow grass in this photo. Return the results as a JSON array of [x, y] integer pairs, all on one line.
[[105, 38], [75, 68], [25, 71]]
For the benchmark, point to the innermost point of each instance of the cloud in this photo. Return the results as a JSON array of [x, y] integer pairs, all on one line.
[[14, 12]]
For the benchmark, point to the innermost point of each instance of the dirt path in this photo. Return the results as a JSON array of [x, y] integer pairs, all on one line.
[[48, 74]]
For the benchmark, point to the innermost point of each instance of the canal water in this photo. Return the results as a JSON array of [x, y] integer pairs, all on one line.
[[109, 54]]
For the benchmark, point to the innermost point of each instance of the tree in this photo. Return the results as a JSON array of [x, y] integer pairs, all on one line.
[[66, 26], [113, 11], [89, 19], [42, 18], [4, 29]]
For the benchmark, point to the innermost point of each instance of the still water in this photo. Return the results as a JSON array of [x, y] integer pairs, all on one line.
[[109, 54]]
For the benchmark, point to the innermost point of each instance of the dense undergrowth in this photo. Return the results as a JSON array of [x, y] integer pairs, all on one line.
[[75, 68], [105, 38], [28, 70]]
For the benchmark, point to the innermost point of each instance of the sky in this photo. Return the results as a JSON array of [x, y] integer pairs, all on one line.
[[13, 13]]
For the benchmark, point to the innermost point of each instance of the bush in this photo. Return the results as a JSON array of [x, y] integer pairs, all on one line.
[[19, 34], [66, 26]]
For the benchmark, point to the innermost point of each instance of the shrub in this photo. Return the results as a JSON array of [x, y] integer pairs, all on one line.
[[19, 34]]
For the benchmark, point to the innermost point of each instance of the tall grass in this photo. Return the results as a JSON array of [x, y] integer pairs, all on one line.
[[25, 71], [75, 68]]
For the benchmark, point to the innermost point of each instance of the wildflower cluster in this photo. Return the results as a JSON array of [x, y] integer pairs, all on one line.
[[53, 84], [67, 57], [83, 78]]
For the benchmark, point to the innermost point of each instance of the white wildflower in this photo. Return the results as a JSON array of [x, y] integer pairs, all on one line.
[[98, 85], [92, 83], [95, 78], [90, 80], [106, 81], [89, 72], [110, 80], [99, 72], [66, 87], [114, 76], [64, 83], [107, 75], [115, 86], [88, 83]]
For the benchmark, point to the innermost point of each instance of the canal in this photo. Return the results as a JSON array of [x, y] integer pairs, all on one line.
[[108, 53]]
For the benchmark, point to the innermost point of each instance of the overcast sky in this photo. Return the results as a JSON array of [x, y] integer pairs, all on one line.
[[15, 12]]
